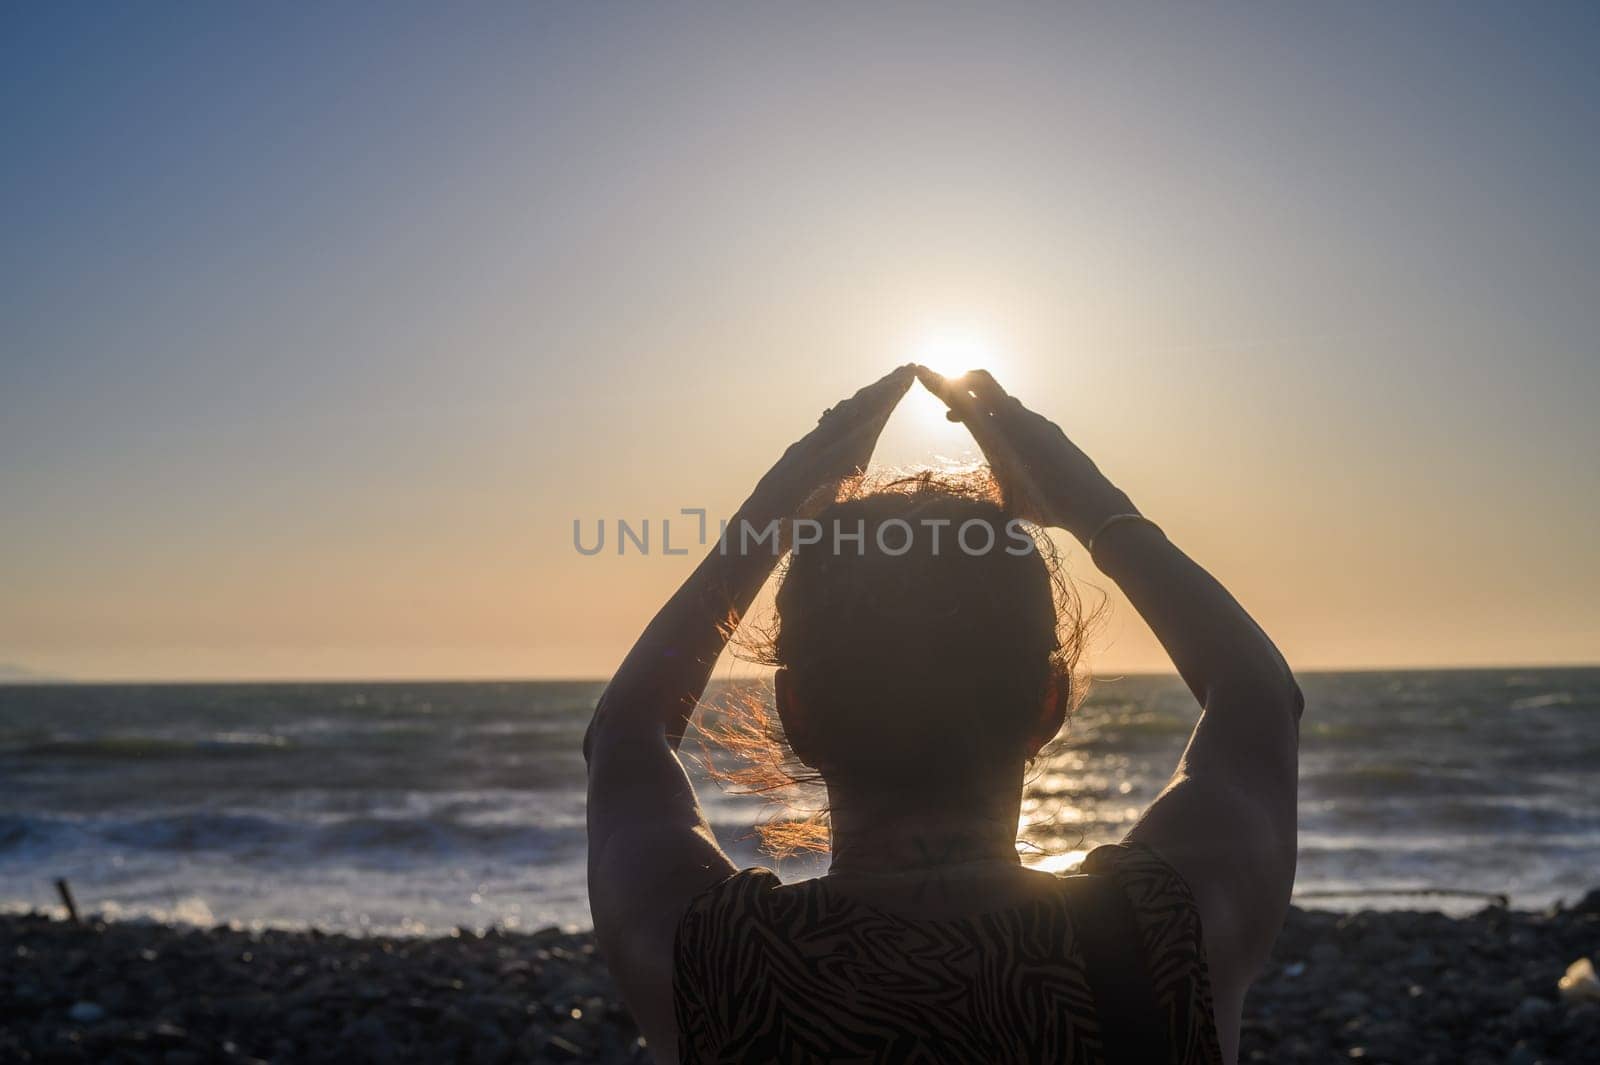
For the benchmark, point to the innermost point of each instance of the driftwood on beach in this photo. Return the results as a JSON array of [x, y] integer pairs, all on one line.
[[1398, 987]]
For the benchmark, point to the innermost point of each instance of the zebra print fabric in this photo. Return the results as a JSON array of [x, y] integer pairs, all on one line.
[[769, 972]]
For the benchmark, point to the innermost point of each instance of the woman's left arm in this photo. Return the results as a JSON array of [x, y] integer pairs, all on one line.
[[650, 848]]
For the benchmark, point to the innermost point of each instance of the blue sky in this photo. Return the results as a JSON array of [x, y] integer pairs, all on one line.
[[319, 325]]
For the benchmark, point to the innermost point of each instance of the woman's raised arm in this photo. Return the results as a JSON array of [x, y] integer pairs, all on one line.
[[650, 848], [1226, 820]]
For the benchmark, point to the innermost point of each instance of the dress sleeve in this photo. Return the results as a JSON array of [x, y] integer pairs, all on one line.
[[1174, 945], [707, 958]]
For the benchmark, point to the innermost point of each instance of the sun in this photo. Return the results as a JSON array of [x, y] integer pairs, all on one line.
[[924, 435], [953, 350]]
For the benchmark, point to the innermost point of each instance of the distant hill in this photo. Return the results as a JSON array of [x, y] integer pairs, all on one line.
[[10, 674]]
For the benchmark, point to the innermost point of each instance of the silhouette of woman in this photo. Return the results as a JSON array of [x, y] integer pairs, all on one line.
[[918, 677]]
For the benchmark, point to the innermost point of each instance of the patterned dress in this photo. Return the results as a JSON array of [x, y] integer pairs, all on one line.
[[792, 973]]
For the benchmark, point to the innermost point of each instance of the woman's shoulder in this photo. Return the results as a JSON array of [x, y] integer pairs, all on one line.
[[1168, 923], [742, 887], [1141, 872], [1163, 906], [719, 949], [727, 907]]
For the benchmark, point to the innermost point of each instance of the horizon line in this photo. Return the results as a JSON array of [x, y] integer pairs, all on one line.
[[48, 681]]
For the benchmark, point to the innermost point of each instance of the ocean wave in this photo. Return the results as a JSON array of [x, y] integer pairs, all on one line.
[[1393, 778], [415, 837], [1129, 730], [1540, 702], [192, 831], [256, 836], [1323, 731], [135, 746], [1404, 818]]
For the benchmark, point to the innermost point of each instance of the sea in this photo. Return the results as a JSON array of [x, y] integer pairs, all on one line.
[[422, 808]]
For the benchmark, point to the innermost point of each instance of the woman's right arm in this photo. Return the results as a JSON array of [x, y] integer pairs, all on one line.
[[1226, 820]]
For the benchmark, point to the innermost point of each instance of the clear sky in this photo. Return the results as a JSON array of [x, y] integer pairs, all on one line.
[[320, 325]]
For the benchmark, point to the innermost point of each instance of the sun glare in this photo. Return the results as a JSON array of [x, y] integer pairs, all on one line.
[[924, 436], [1055, 863], [955, 350]]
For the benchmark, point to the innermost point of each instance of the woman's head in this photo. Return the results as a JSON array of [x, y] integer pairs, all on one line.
[[921, 634]]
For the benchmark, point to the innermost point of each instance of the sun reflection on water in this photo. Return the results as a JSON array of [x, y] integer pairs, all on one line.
[[1055, 863]]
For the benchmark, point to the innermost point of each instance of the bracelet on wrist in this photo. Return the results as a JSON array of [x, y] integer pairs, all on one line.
[[1112, 522]]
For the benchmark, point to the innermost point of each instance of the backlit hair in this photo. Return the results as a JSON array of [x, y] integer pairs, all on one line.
[[911, 662]]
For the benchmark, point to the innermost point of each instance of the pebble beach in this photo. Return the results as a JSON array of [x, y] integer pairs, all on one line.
[[1408, 988]]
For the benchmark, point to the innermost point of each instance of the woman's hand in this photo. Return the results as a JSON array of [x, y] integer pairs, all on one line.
[[840, 446], [663, 677], [1045, 477]]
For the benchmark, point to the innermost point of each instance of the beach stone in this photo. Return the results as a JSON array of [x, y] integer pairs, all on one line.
[[1421, 956], [531, 1040], [370, 1039], [560, 1049], [453, 1022], [86, 1012], [241, 1008], [301, 1019], [1390, 1041], [421, 1009], [1533, 1010], [1522, 1054], [1352, 1001], [491, 1049], [490, 1008], [1582, 1020], [1379, 945]]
